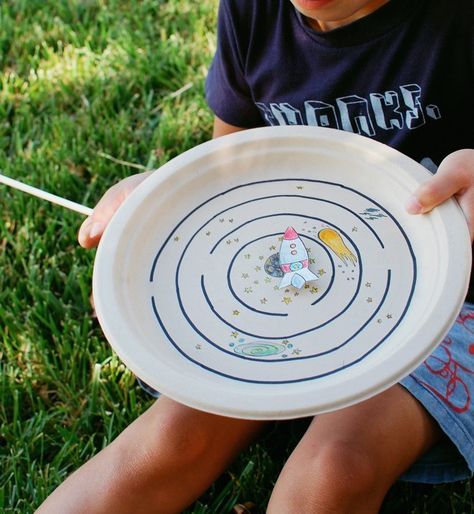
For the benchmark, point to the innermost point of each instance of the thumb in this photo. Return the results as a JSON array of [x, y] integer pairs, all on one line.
[[93, 227], [455, 176]]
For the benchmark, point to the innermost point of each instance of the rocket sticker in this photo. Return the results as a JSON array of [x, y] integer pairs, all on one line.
[[294, 261]]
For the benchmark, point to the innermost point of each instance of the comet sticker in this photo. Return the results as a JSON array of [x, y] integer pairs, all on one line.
[[294, 261]]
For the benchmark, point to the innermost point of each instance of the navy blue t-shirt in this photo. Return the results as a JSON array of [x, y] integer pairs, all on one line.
[[403, 75]]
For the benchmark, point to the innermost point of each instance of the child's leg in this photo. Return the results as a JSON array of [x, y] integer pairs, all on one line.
[[160, 464], [347, 460]]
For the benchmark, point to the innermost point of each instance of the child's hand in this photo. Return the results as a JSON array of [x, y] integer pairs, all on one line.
[[93, 227], [455, 177]]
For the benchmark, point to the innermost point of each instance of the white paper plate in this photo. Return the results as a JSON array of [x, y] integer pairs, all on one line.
[[183, 292]]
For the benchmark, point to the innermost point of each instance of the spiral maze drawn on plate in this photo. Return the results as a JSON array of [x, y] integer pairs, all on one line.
[[215, 281]]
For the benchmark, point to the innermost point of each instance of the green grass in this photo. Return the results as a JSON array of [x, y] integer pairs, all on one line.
[[85, 83]]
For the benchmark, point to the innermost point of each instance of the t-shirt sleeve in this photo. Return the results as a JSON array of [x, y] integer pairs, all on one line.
[[227, 91]]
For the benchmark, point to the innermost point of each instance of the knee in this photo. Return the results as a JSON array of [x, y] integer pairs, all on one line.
[[344, 468], [176, 437], [331, 478]]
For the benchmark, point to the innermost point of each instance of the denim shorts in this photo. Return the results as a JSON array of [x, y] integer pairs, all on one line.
[[442, 384]]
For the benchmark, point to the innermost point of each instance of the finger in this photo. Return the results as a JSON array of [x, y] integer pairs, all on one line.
[[435, 191], [90, 232]]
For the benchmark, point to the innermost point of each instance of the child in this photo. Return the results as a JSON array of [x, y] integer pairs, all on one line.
[[399, 71]]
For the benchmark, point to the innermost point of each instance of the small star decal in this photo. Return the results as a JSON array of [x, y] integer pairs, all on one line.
[[321, 272], [248, 290], [176, 238], [272, 248], [389, 316], [368, 284], [379, 321], [247, 256], [234, 335], [369, 300], [286, 300], [231, 220], [221, 220], [261, 257], [263, 301], [208, 233], [228, 241], [258, 268], [198, 347], [236, 312], [245, 275], [296, 351], [314, 290], [354, 229], [268, 280], [299, 187]]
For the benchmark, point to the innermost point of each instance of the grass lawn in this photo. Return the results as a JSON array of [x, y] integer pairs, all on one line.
[[92, 91]]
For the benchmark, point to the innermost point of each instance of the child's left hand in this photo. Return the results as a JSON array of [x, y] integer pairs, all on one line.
[[455, 177]]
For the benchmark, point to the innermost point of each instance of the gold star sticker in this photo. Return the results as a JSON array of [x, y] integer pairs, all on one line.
[[176, 238], [234, 335], [236, 312], [312, 261], [286, 299], [314, 290], [321, 272], [258, 268], [280, 238]]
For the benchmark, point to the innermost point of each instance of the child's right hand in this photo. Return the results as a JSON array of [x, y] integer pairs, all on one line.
[[93, 227]]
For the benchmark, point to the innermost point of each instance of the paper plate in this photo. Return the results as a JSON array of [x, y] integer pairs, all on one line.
[[186, 278]]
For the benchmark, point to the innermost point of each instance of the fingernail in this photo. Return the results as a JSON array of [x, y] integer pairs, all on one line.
[[96, 229], [413, 206]]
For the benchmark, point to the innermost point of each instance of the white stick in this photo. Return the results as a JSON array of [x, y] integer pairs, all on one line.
[[73, 206]]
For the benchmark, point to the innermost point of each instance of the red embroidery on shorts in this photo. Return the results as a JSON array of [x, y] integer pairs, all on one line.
[[456, 394], [465, 319]]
